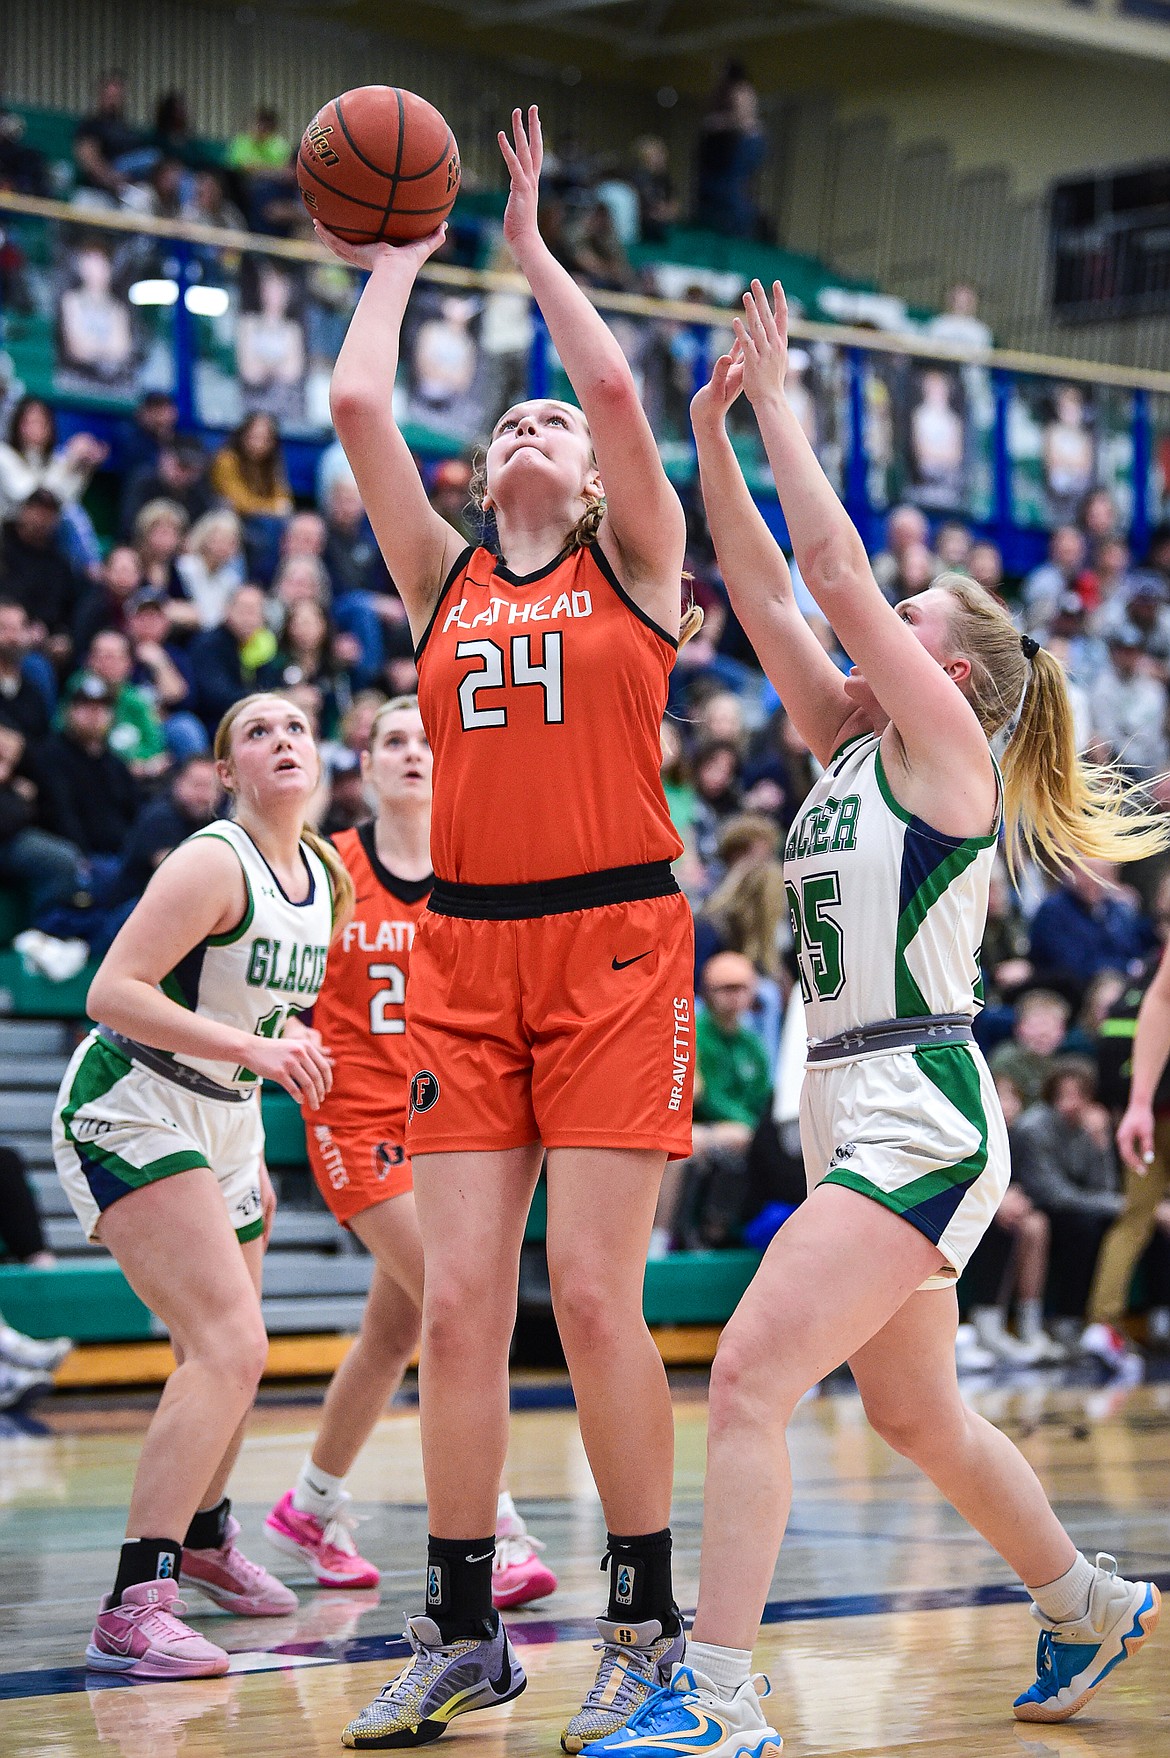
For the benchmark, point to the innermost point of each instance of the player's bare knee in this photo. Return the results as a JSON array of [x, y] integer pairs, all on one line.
[[915, 1429], [747, 1389], [589, 1319]]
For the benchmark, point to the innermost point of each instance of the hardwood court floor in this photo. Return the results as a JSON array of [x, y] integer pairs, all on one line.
[[891, 1630]]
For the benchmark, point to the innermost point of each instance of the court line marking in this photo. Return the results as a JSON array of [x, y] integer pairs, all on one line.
[[62, 1681]]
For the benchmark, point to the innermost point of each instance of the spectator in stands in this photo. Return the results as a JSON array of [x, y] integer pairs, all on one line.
[[985, 566], [88, 795], [94, 331], [732, 1087], [32, 459], [905, 527], [1069, 636], [35, 570], [161, 669], [161, 192], [952, 546], [1028, 1057], [731, 150], [104, 605], [212, 565], [1005, 962], [189, 802], [159, 531], [717, 793], [136, 734], [451, 497], [1062, 1159], [349, 552], [109, 151], [249, 470], [261, 157], [601, 260], [1087, 924], [172, 129], [1047, 586], [207, 203], [270, 344], [1098, 519], [299, 579], [312, 652], [654, 186], [26, 692], [234, 659], [1111, 568], [261, 146], [959, 324], [917, 567], [23, 170], [347, 803], [1128, 709], [49, 868], [178, 473], [1139, 608], [156, 422]]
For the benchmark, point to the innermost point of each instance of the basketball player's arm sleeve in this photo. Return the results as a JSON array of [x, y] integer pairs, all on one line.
[[419, 547], [759, 584]]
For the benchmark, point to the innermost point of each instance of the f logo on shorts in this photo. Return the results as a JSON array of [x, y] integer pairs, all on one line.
[[424, 1091]]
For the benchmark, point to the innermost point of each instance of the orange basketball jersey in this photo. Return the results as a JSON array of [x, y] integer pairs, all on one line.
[[542, 698], [361, 1010]]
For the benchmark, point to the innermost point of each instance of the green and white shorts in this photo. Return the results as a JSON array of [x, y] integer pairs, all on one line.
[[919, 1131], [119, 1125]]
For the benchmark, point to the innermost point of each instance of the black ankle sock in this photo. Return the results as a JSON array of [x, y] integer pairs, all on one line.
[[459, 1587], [639, 1580], [146, 1559], [209, 1527]]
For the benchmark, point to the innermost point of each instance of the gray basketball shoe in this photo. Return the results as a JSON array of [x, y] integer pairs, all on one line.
[[636, 1659], [441, 1682]]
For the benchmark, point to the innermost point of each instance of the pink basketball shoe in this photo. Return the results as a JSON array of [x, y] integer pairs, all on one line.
[[143, 1638], [231, 1580], [518, 1575], [326, 1546]]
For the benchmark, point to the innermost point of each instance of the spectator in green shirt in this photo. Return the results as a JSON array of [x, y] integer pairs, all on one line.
[[700, 1199], [261, 146], [136, 735]]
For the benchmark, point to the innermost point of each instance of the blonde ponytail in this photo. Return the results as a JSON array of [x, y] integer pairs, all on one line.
[[1058, 809], [340, 881]]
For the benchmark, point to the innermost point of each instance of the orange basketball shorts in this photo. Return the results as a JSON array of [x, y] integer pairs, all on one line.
[[354, 1167], [573, 1027]]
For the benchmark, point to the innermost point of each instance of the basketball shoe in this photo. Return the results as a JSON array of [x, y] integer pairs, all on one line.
[[144, 1638], [1074, 1659], [688, 1717], [442, 1681], [518, 1575], [635, 1662], [327, 1546], [228, 1577]]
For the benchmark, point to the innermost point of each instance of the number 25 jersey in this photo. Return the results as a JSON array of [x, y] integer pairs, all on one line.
[[542, 696]]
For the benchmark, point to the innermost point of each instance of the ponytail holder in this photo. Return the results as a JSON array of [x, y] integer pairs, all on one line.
[[1028, 647]]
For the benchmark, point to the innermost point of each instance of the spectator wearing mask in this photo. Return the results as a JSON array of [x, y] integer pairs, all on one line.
[[88, 795], [732, 1088], [36, 571], [104, 606], [1029, 1056], [732, 145], [164, 822], [109, 151], [136, 734], [1087, 924], [236, 658], [249, 472], [1046, 587], [212, 565], [1128, 709], [26, 693], [178, 474], [1062, 1158]]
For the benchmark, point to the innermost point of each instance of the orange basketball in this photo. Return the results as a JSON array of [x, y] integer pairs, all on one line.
[[376, 163]]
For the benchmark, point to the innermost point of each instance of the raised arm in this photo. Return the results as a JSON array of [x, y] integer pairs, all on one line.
[[420, 547], [644, 520], [943, 749], [756, 575]]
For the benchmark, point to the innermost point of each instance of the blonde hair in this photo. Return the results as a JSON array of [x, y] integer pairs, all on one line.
[[1058, 810], [585, 531], [396, 705], [218, 519], [154, 512], [341, 884], [748, 907]]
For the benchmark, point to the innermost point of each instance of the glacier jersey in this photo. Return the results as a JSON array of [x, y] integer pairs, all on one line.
[[272, 964], [542, 696], [887, 914]]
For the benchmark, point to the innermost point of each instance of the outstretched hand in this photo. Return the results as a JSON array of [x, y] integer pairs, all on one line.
[[523, 159], [711, 403], [762, 334], [412, 255]]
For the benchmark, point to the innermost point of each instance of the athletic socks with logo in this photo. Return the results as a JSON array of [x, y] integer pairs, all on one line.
[[640, 1581], [317, 1492], [727, 1668], [459, 1588], [1066, 1599], [146, 1559], [208, 1529]]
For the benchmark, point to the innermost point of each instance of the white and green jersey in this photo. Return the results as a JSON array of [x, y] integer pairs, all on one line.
[[270, 965], [887, 914]]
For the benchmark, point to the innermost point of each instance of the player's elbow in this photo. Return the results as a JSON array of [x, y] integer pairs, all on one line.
[[352, 402], [833, 568]]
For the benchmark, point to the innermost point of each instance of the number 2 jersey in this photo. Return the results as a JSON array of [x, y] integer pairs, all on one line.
[[542, 696], [361, 1010], [887, 913]]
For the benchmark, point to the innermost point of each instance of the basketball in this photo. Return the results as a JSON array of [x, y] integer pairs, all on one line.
[[378, 163]]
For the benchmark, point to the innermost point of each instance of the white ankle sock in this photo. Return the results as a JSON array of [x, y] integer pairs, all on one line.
[[727, 1668], [506, 1510], [317, 1493], [1031, 1317], [1067, 1598]]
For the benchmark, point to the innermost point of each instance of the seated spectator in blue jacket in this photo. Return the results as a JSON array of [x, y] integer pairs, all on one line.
[[234, 659], [1087, 925], [165, 822]]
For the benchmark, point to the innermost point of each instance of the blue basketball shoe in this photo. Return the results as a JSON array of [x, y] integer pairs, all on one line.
[[1074, 1659], [689, 1719], [441, 1682]]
